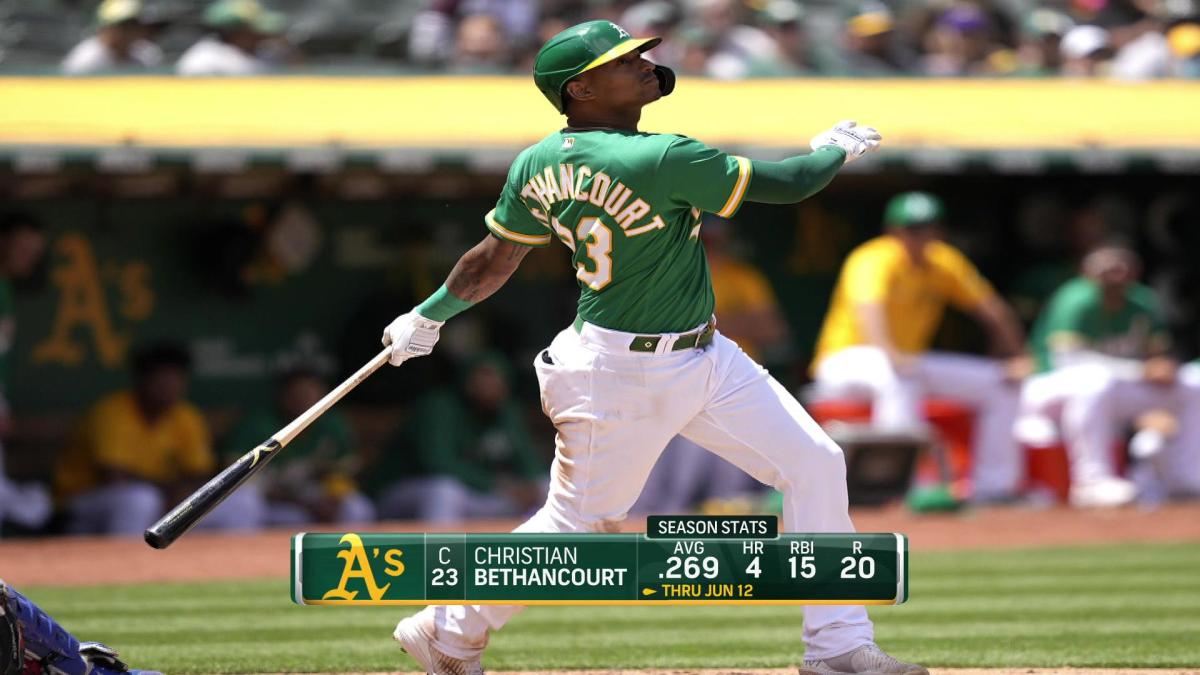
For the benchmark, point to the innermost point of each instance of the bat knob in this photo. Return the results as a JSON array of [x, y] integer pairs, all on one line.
[[156, 539]]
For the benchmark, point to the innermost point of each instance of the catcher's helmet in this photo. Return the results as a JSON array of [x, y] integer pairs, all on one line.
[[580, 48]]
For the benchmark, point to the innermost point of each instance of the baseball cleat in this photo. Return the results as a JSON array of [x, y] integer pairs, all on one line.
[[415, 635], [868, 659]]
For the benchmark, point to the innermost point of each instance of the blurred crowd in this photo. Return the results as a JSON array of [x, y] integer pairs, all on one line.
[[725, 39], [1088, 354]]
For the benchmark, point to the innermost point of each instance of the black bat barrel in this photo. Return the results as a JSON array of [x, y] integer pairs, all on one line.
[[188, 512]]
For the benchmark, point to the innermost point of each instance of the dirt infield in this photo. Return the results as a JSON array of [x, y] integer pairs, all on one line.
[[792, 671], [200, 556]]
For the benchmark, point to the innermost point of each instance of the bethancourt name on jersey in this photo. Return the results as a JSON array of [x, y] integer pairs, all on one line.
[[570, 182]]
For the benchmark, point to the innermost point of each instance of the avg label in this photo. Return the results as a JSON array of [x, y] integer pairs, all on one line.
[[597, 569]]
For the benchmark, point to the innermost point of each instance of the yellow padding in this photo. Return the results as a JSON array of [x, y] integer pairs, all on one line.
[[453, 112]]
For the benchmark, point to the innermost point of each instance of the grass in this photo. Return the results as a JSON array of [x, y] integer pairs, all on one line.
[[1122, 606]]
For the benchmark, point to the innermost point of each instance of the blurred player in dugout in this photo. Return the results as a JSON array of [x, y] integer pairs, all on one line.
[[314, 481], [465, 453], [22, 245], [1105, 356], [135, 450], [875, 341]]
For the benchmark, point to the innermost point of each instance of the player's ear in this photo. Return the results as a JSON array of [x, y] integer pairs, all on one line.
[[579, 90]]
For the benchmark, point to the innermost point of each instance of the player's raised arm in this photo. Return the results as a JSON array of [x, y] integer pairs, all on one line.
[[717, 182], [478, 274], [798, 178]]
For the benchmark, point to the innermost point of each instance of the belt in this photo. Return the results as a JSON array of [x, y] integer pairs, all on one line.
[[697, 339]]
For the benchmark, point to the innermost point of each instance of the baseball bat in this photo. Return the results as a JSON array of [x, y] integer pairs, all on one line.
[[188, 512]]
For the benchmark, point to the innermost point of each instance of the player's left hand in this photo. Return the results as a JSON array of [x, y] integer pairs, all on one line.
[[410, 335], [847, 135]]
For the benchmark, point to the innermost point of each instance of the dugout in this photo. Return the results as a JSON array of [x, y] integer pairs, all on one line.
[[322, 208]]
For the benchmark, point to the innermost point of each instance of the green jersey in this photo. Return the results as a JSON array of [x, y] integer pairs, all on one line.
[[628, 205], [1075, 317]]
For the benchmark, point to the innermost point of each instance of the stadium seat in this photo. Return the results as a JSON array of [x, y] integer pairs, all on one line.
[[1046, 468], [953, 422]]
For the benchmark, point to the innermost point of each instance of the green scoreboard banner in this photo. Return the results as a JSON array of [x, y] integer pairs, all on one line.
[[681, 560]]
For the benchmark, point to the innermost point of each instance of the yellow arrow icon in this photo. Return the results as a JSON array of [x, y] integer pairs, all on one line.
[[648, 591]]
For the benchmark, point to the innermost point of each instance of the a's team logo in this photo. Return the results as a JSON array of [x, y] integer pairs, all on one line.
[[568, 143], [356, 564], [620, 31]]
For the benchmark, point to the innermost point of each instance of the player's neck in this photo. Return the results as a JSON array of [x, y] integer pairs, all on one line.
[[624, 120], [115, 43], [150, 412], [1113, 299]]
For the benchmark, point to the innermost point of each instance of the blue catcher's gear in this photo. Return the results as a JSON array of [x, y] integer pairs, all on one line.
[[36, 643]]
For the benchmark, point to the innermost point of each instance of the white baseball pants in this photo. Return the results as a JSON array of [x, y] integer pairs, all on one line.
[[979, 383], [125, 509], [1094, 406], [615, 410]]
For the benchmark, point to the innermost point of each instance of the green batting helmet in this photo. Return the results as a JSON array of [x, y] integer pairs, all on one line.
[[588, 45], [912, 208]]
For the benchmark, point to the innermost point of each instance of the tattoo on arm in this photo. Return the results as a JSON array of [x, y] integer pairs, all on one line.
[[484, 269], [464, 283]]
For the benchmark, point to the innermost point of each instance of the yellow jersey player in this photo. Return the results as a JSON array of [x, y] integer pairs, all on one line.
[[875, 341]]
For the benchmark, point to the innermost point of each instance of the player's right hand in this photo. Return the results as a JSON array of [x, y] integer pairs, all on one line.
[[410, 335], [847, 135]]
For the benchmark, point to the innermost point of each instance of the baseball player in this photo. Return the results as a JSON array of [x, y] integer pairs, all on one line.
[[123, 42], [134, 449], [1104, 351], [874, 343], [241, 29], [32, 643], [643, 360]]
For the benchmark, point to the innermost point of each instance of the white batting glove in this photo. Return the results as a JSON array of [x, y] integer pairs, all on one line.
[[410, 335], [847, 135]]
